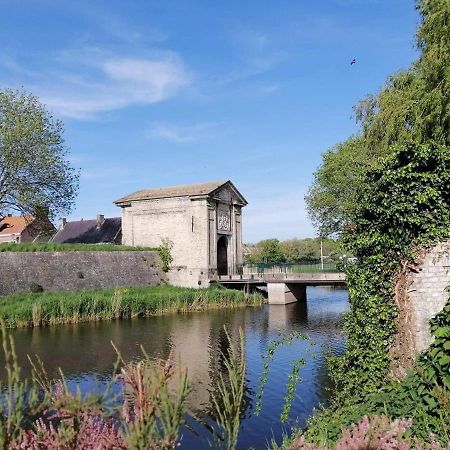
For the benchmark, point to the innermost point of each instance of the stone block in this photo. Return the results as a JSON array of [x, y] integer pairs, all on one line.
[[70, 271]]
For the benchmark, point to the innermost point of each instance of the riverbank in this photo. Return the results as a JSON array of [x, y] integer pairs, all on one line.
[[49, 308]]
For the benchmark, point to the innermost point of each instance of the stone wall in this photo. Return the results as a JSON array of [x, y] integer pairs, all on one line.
[[181, 220], [67, 271]]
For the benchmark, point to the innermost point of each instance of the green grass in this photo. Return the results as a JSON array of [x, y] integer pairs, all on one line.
[[48, 308], [53, 247]]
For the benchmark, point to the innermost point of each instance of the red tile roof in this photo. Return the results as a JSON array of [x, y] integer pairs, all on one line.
[[15, 224]]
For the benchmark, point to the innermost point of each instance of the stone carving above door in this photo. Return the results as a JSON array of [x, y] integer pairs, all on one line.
[[223, 218]]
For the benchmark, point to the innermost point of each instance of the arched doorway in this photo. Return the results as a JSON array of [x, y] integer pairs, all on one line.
[[222, 256]]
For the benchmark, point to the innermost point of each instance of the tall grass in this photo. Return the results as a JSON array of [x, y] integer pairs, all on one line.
[[48, 308], [54, 247], [40, 413], [228, 398]]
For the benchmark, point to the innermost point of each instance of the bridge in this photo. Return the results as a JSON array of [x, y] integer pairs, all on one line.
[[285, 283]]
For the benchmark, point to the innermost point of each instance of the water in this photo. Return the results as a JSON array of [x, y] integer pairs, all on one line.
[[85, 355]]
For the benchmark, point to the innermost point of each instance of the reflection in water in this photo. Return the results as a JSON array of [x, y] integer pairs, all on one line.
[[85, 355]]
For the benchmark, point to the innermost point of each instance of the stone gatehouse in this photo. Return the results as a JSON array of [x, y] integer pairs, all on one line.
[[203, 222]]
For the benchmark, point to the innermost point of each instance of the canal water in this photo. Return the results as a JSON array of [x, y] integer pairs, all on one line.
[[85, 355]]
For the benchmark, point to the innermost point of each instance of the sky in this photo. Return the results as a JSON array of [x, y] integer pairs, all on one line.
[[160, 93]]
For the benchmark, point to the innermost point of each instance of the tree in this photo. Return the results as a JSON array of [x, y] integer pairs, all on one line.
[[337, 184], [292, 251], [308, 249], [412, 108], [301, 250], [267, 251], [35, 176]]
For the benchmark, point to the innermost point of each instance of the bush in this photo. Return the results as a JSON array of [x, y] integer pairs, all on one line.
[[35, 288]]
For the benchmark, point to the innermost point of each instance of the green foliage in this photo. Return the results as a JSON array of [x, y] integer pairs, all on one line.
[[267, 251], [307, 250], [165, 253], [294, 377], [47, 308], [39, 412], [35, 288], [292, 251], [153, 410], [401, 203], [21, 399], [229, 395], [337, 184], [423, 396], [412, 108], [33, 247], [36, 177], [407, 206]]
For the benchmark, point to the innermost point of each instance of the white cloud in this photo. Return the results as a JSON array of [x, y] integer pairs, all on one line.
[[256, 54], [84, 83], [181, 134], [152, 80]]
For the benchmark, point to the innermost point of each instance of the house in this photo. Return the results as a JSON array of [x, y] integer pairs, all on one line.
[[20, 229], [96, 231], [203, 222]]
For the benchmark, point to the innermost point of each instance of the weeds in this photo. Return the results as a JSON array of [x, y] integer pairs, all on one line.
[[49, 308], [21, 400], [39, 413], [376, 432], [294, 377], [228, 400], [151, 412]]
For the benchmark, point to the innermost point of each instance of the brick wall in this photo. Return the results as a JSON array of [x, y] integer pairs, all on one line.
[[67, 271], [427, 293]]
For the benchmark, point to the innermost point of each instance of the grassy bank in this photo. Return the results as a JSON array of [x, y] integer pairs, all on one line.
[[48, 308], [53, 247]]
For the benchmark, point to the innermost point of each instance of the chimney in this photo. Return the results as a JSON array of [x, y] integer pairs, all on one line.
[[100, 220], [63, 222]]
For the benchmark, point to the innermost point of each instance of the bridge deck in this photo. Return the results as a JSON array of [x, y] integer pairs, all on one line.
[[311, 279]]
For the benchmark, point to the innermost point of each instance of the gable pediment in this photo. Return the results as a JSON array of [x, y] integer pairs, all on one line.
[[229, 194]]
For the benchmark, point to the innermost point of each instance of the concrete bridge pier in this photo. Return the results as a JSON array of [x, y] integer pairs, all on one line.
[[284, 293]]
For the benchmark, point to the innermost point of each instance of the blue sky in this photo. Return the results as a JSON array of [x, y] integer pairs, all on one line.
[[156, 93]]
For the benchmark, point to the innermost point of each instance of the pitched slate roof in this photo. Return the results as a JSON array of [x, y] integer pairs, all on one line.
[[185, 190], [14, 224], [88, 232]]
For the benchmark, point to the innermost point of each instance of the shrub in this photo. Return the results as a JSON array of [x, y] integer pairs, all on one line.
[[165, 253], [370, 433], [35, 288]]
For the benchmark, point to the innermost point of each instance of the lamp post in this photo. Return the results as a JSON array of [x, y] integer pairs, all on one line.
[[321, 252]]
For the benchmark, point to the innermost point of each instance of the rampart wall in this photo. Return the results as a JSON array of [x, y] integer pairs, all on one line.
[[69, 271]]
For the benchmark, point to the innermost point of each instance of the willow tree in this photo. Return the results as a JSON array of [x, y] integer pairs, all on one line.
[[412, 108], [36, 177]]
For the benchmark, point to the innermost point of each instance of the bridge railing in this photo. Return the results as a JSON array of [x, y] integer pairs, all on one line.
[[284, 268]]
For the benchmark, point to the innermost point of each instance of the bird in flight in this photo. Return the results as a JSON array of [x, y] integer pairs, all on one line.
[[353, 62]]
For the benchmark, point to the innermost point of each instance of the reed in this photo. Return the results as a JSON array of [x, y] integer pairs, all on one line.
[[49, 308], [43, 413], [229, 394]]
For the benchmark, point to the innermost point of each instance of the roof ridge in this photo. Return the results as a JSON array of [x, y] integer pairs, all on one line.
[[181, 190]]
